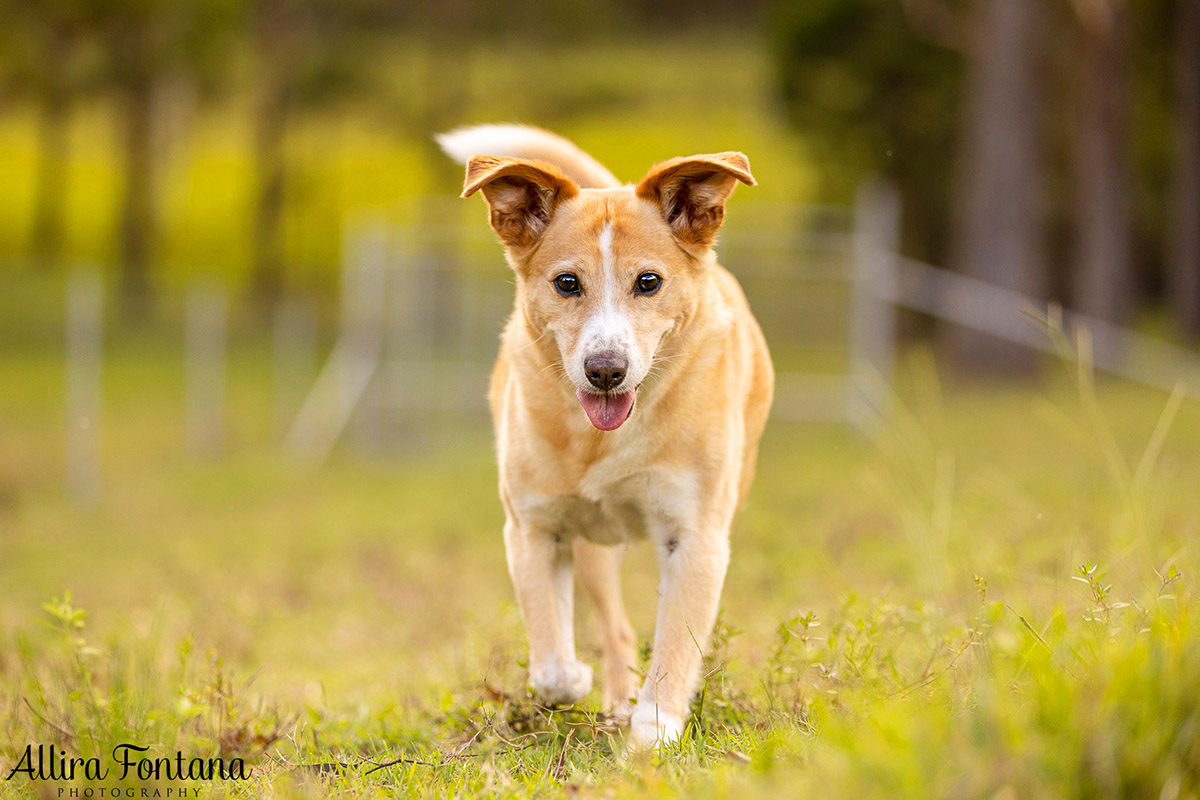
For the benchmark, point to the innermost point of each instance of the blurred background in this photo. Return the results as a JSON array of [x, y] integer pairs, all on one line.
[[226, 221], [231, 213], [246, 323], [1048, 147]]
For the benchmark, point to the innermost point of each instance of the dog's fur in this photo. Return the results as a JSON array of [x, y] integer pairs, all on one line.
[[675, 467]]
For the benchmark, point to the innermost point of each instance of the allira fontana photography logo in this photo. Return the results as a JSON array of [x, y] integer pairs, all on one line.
[[127, 762]]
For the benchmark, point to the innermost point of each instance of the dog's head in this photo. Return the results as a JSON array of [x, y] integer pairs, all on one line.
[[607, 273]]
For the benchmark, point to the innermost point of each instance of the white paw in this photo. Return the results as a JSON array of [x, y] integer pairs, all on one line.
[[650, 728], [559, 683], [621, 711]]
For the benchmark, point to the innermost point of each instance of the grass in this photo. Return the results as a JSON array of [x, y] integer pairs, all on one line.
[[992, 599]]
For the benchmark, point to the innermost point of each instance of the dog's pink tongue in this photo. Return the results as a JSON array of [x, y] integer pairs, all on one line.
[[606, 411]]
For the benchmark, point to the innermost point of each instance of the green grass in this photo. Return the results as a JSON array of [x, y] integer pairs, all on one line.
[[992, 599]]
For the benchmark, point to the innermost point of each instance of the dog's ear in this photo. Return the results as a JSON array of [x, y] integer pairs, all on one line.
[[521, 195], [691, 192]]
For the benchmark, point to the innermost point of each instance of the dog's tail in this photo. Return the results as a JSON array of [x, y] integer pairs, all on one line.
[[526, 141]]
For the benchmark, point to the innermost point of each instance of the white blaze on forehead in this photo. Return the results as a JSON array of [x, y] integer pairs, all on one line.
[[608, 266], [607, 329], [606, 242], [606, 252]]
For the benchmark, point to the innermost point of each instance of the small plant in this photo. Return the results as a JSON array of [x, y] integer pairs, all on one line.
[[719, 707], [90, 709], [1102, 608]]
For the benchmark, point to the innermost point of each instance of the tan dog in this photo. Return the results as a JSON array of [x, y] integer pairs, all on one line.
[[628, 399]]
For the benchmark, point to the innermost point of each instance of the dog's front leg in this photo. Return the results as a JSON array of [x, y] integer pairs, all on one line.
[[539, 563], [692, 566]]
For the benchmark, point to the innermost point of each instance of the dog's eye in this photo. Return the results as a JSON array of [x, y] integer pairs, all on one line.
[[648, 283], [567, 284]]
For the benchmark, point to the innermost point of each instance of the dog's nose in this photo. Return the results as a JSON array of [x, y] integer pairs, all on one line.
[[606, 369]]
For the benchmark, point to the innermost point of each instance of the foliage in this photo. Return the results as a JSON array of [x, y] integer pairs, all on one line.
[[876, 87], [350, 156], [87, 699], [873, 96]]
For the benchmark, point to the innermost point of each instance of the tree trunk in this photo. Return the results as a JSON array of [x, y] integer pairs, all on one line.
[[51, 179], [51, 184], [1184, 245], [278, 27], [137, 226], [998, 233], [1104, 284], [271, 126]]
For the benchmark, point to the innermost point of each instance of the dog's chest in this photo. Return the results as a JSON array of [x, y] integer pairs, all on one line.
[[613, 504], [609, 521], [605, 508]]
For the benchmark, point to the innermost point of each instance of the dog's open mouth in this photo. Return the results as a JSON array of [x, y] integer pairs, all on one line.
[[609, 410]]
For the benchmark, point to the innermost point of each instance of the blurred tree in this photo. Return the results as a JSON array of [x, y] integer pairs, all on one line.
[[307, 53], [873, 87], [279, 28], [146, 44], [1104, 278], [134, 31], [999, 228], [42, 42], [878, 86], [1184, 266]]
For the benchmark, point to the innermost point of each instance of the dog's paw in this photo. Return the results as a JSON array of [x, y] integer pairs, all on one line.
[[650, 728], [621, 711], [560, 683]]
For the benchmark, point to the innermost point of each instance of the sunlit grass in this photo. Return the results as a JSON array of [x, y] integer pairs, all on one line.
[[993, 598]]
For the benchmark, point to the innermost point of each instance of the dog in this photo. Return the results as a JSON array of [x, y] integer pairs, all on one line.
[[628, 398]]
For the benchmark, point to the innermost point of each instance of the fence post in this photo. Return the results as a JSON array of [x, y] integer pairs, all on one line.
[[470, 303], [364, 311], [294, 353], [408, 375], [873, 316], [206, 319], [346, 378], [85, 308]]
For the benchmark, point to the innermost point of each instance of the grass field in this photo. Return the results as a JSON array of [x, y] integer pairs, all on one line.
[[991, 599]]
